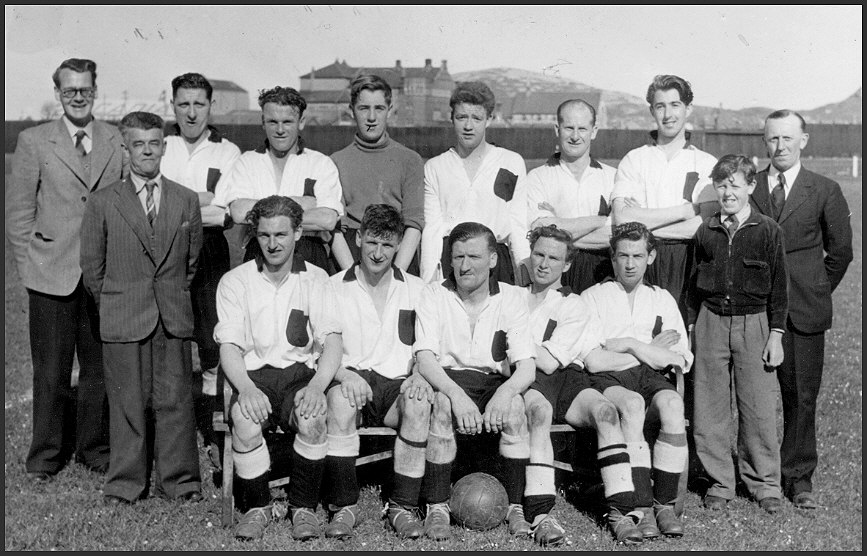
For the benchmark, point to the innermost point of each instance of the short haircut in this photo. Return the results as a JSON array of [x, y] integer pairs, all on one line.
[[368, 82], [473, 92], [668, 82], [192, 81], [78, 65], [631, 231], [469, 230], [140, 120], [731, 164], [785, 113], [272, 207], [575, 102], [382, 221], [555, 233], [284, 96]]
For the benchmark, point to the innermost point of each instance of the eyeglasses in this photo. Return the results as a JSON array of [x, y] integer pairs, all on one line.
[[86, 92]]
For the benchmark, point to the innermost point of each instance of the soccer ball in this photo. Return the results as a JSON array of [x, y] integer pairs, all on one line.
[[479, 502]]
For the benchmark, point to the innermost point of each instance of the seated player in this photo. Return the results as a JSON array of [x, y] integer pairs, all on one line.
[[471, 332], [377, 304], [568, 345], [275, 316], [644, 321]]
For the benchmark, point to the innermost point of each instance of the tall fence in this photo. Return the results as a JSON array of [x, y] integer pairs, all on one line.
[[826, 140]]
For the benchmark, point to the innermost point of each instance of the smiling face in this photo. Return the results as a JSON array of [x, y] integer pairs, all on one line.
[[670, 114], [145, 149], [371, 112], [192, 110], [377, 252], [548, 261], [733, 193], [784, 140], [471, 122], [277, 237], [575, 132], [282, 125], [630, 261], [472, 262], [79, 108]]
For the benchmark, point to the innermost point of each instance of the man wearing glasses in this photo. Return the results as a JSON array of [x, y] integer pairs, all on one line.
[[55, 168]]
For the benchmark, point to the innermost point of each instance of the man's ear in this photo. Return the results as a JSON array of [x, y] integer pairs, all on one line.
[[651, 256], [494, 259], [358, 239]]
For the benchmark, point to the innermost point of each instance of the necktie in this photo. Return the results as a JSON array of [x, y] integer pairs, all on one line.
[[778, 196], [79, 142], [149, 202], [732, 224]]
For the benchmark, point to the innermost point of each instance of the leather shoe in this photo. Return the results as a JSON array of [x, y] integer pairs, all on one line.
[[40, 476], [114, 501], [771, 504], [192, 496], [647, 525], [805, 501], [667, 521], [100, 469], [715, 503]]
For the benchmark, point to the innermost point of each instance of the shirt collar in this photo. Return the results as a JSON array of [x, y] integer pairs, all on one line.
[[298, 264], [214, 136], [264, 148], [791, 175], [654, 136], [450, 284], [351, 274], [554, 160], [73, 129], [139, 182]]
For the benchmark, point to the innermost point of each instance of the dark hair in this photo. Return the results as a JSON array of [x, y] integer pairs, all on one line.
[[730, 164], [555, 233], [368, 82], [284, 96], [469, 230], [78, 65], [785, 113], [382, 220], [192, 81], [575, 102], [668, 82], [473, 92], [272, 207], [140, 120], [631, 231]]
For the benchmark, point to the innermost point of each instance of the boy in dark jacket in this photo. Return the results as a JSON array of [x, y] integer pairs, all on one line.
[[737, 315]]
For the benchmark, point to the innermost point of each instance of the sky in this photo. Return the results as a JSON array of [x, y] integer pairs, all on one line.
[[798, 57]]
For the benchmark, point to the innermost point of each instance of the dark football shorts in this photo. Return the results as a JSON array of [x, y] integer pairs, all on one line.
[[479, 386], [641, 379], [562, 387], [280, 385], [385, 392]]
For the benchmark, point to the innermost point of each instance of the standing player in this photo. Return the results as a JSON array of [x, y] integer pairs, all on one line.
[[377, 304], [645, 322], [571, 190], [197, 157], [470, 332], [377, 169], [474, 181], [284, 166], [276, 315], [662, 184], [568, 349]]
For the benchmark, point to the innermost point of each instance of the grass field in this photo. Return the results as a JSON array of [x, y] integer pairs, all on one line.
[[68, 514]]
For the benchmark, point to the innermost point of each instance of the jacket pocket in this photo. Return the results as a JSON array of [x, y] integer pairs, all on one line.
[[756, 277], [705, 277]]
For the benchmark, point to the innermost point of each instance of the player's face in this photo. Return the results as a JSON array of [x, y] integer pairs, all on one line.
[[282, 125], [145, 150], [784, 141], [472, 262], [630, 261], [377, 252], [277, 237], [669, 112], [192, 110], [471, 122], [79, 108], [734, 193], [371, 112], [548, 260], [575, 132]]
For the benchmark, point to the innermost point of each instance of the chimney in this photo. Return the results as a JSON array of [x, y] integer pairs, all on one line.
[[397, 64], [444, 67], [427, 63]]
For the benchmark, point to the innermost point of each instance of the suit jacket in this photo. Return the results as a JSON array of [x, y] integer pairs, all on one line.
[[46, 198], [817, 238], [137, 277]]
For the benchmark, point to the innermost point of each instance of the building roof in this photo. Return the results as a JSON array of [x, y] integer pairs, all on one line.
[[332, 71], [393, 75], [547, 103], [327, 97], [222, 85]]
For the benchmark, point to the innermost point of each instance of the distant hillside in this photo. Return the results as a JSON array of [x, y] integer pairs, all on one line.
[[619, 110]]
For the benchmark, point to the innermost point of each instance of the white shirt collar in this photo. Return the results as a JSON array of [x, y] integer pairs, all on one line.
[[139, 182], [73, 129], [791, 175]]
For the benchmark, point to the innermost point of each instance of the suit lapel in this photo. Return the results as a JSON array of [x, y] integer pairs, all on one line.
[[130, 209], [761, 198], [100, 153], [64, 149], [798, 195], [168, 220]]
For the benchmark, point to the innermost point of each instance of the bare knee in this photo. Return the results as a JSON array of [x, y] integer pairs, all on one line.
[[632, 407], [414, 413], [516, 420], [670, 406], [539, 413], [341, 416], [604, 414], [441, 415], [311, 429], [246, 434]]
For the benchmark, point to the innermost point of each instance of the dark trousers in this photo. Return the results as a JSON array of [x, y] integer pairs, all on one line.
[[61, 326], [150, 394], [800, 378], [213, 263], [671, 269], [589, 267]]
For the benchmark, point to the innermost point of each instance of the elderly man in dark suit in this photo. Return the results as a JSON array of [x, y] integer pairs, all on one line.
[[56, 167], [140, 244], [817, 236]]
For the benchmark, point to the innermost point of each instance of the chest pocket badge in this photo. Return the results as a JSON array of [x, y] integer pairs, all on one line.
[[308, 187], [499, 346], [296, 328], [406, 326], [504, 184], [549, 330]]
